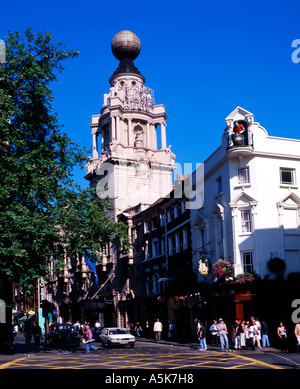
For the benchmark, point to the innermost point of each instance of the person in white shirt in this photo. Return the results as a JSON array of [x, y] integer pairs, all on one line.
[[253, 331], [257, 336], [157, 328]]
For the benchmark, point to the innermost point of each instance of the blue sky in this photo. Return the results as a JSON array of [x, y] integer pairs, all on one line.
[[202, 59]]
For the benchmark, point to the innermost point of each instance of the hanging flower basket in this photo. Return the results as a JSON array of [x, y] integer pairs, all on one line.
[[245, 277], [222, 268], [277, 265]]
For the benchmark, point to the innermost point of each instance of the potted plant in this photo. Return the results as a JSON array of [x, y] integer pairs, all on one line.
[[245, 277], [277, 266], [222, 268]]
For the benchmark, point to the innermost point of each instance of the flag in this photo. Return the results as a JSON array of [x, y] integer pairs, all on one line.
[[91, 264]]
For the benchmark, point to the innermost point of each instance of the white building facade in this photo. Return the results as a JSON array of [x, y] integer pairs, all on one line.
[[251, 209]]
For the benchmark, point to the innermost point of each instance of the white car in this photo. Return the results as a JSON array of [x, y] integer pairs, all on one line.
[[113, 336]]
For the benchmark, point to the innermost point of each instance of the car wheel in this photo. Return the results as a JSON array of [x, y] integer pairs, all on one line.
[[132, 345]]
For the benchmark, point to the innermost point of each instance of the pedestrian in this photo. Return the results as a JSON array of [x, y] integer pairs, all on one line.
[[130, 327], [28, 334], [236, 334], [77, 326], [242, 334], [37, 333], [138, 329], [257, 335], [281, 332], [171, 330], [88, 338], [252, 333], [265, 334], [147, 330], [297, 334], [222, 331], [214, 333], [247, 335], [157, 329], [201, 332]]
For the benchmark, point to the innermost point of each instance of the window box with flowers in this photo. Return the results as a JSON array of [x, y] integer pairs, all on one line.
[[245, 278], [222, 268]]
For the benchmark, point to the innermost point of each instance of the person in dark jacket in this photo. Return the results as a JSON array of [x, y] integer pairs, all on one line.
[[37, 333], [265, 334]]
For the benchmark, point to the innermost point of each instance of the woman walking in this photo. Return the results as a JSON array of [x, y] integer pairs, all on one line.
[[281, 332]]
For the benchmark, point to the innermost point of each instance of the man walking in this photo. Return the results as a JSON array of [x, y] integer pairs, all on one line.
[[88, 337], [222, 331], [157, 328]]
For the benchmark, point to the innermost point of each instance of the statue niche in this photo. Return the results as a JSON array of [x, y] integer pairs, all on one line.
[[240, 133], [138, 140]]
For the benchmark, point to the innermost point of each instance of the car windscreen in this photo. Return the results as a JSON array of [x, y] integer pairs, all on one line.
[[118, 331]]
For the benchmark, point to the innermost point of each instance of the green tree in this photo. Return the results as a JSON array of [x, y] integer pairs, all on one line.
[[44, 214]]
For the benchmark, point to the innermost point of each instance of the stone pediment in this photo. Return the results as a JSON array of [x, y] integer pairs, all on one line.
[[243, 199], [239, 114], [291, 200], [200, 220]]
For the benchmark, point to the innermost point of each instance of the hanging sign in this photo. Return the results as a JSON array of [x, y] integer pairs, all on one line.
[[203, 266]]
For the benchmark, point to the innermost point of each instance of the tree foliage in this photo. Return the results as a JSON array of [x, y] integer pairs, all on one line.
[[44, 214]]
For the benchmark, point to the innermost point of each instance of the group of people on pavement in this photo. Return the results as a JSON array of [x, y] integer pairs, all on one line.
[[246, 335]]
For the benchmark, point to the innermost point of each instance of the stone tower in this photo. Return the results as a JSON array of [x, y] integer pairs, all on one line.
[[131, 162]]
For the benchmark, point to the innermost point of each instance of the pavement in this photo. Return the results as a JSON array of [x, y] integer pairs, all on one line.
[[195, 345], [20, 347]]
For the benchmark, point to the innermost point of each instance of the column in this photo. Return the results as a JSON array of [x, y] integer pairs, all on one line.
[[103, 134], [281, 231], [95, 145], [118, 129], [238, 268], [163, 136], [154, 137], [148, 139], [113, 128], [225, 252], [255, 234], [215, 224], [130, 135]]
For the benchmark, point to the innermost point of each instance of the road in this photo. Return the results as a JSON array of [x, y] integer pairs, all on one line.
[[151, 355]]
